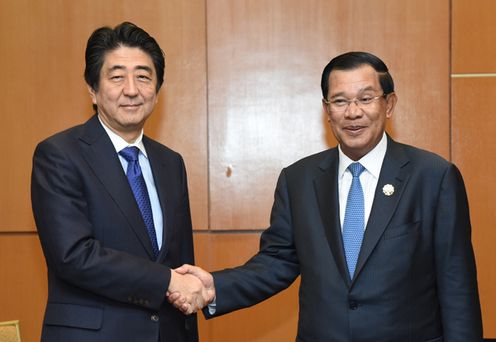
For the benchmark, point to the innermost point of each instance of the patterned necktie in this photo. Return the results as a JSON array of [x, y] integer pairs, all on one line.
[[354, 219], [138, 185]]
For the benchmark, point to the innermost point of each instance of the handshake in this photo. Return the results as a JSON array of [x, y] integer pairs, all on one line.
[[190, 289]]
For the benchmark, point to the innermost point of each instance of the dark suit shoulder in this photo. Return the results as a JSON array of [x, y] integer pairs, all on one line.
[[425, 165], [308, 168], [421, 157], [320, 159], [64, 136], [162, 153], [88, 132], [157, 146], [63, 144]]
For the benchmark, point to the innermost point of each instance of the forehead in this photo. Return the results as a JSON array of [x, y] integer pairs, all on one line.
[[353, 81], [129, 58]]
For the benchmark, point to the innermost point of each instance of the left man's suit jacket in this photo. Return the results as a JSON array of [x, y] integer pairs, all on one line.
[[103, 284], [415, 278]]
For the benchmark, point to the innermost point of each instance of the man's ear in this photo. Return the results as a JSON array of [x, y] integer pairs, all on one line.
[[325, 107], [92, 94], [391, 100]]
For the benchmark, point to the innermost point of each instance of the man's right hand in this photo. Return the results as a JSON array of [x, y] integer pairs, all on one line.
[[191, 288]]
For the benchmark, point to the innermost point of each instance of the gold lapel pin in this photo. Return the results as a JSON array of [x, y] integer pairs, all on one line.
[[388, 189]]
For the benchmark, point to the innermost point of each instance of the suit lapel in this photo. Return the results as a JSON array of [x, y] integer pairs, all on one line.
[[395, 173], [103, 160], [165, 193], [326, 189]]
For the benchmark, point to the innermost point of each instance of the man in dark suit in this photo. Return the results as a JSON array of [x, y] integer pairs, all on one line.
[[379, 231], [111, 207]]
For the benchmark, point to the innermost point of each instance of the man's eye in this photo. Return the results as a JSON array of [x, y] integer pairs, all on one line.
[[144, 77], [365, 99], [339, 102], [116, 77]]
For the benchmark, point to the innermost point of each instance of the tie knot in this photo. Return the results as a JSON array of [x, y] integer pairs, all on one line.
[[130, 153], [356, 169]]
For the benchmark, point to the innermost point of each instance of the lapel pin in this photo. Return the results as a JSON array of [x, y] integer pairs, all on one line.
[[388, 189]]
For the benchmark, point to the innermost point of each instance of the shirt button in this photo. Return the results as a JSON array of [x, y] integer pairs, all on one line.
[[154, 318], [353, 305]]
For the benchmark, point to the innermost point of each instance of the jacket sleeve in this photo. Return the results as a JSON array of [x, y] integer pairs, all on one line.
[[455, 262], [270, 271]]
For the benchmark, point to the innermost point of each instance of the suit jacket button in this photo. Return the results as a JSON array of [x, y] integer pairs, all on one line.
[[154, 318], [353, 305]]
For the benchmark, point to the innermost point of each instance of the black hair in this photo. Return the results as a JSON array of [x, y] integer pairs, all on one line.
[[352, 60], [105, 39]]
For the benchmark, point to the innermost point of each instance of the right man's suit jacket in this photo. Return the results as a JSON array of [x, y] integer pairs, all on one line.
[[103, 284], [415, 278]]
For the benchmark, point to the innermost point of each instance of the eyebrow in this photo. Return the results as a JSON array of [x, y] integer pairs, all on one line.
[[144, 67], [359, 92], [139, 67]]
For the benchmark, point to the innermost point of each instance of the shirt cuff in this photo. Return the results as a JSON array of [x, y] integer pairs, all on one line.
[[212, 307]]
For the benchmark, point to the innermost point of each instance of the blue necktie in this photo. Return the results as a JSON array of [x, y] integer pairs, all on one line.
[[354, 219], [138, 185]]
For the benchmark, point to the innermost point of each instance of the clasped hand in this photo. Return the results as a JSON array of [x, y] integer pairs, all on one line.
[[190, 289]]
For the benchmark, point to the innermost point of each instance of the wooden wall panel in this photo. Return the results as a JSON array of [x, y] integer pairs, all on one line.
[[23, 287], [265, 59], [42, 48], [473, 36], [474, 145], [272, 320]]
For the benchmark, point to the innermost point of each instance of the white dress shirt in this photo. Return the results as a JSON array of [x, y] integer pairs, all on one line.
[[372, 162], [120, 144]]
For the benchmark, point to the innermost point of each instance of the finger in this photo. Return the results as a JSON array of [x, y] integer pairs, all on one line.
[[194, 308], [186, 309], [172, 297], [183, 269], [179, 303]]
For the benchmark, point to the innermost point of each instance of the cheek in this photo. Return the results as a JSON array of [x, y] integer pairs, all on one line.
[[149, 94], [335, 128], [376, 119], [108, 97], [152, 98], [334, 121]]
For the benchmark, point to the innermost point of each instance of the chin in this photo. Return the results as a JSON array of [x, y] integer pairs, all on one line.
[[133, 119], [356, 143]]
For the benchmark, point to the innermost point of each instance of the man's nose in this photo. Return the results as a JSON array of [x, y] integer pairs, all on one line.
[[130, 87], [353, 110]]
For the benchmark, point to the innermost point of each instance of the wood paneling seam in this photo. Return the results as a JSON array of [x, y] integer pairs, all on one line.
[[475, 75]]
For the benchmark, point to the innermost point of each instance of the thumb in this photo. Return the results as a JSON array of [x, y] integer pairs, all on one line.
[[183, 269]]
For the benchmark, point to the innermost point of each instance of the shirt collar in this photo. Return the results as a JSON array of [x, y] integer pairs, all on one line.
[[372, 161], [119, 143]]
